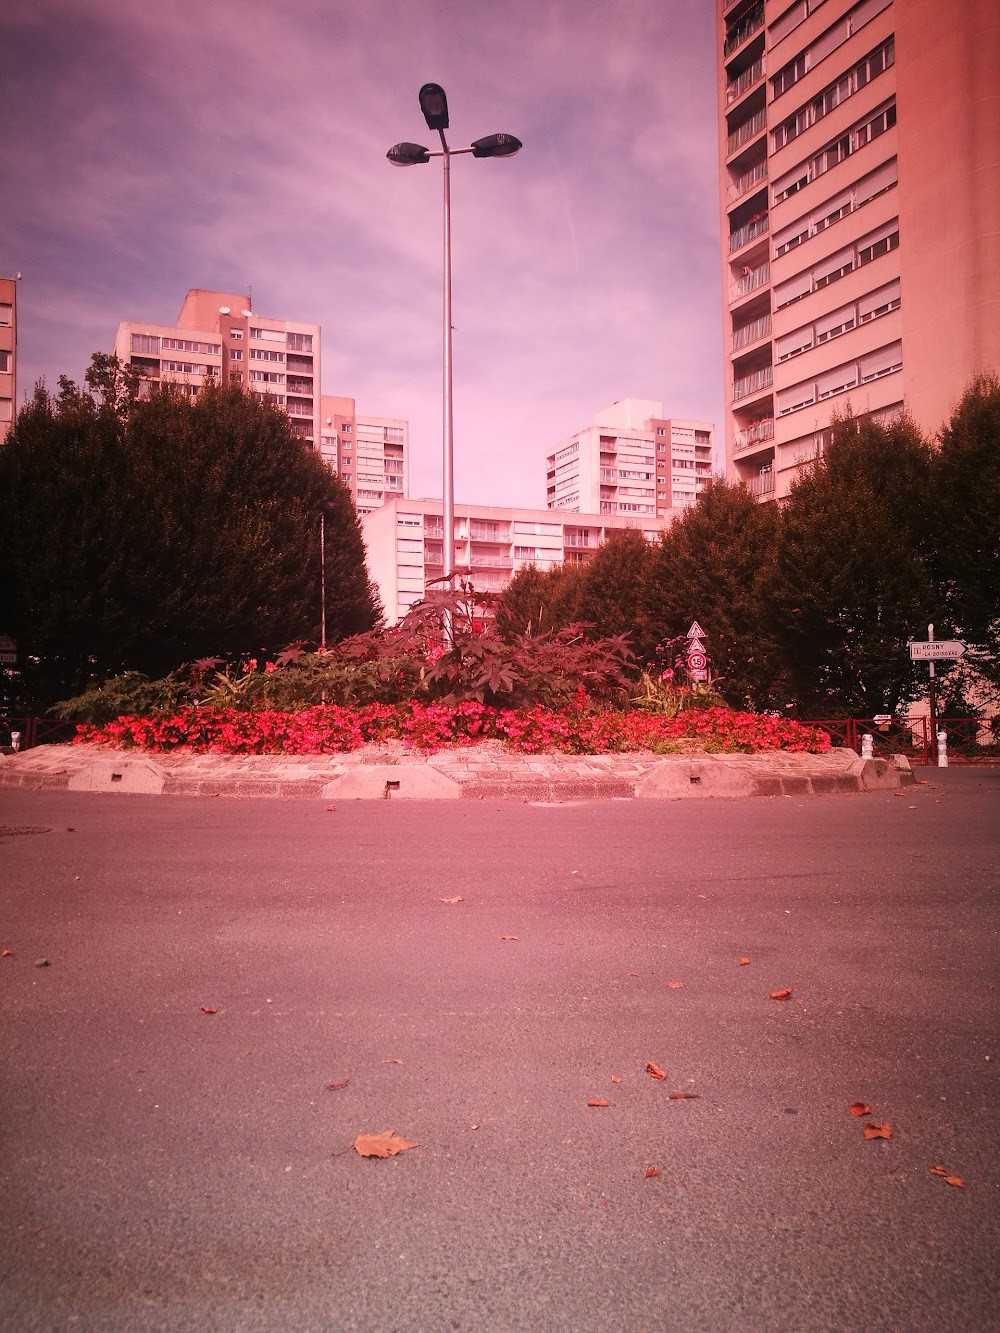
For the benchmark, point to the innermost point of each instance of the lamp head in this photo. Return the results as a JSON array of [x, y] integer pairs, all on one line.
[[496, 145], [434, 105], [408, 154]]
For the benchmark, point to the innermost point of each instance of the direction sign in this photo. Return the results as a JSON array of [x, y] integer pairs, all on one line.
[[929, 650], [696, 632]]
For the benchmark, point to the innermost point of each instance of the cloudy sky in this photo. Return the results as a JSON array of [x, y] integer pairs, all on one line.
[[240, 145]]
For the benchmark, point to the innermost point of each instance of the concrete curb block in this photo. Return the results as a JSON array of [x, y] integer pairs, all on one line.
[[118, 774], [400, 782]]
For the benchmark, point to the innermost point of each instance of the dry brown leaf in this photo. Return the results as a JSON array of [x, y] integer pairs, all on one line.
[[7, 953], [683, 1096], [393, 1061], [330, 807], [510, 937], [744, 961], [703, 896], [675, 985], [955, 1180], [616, 1078], [598, 1101], [860, 1108], [631, 974], [938, 1170], [654, 1070], [207, 1009], [457, 899], [780, 994], [386, 1144], [338, 1087], [873, 1131], [652, 1171]]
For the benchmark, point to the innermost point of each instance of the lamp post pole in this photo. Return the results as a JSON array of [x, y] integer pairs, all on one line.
[[434, 105], [322, 579]]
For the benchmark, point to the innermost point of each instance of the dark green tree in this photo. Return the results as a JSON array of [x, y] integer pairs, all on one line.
[[538, 600], [851, 583], [711, 566], [611, 593], [964, 532], [143, 532]]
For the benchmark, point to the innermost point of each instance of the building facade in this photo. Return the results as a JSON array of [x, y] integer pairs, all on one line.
[[860, 197], [371, 454], [217, 336], [404, 540], [8, 354], [632, 462]]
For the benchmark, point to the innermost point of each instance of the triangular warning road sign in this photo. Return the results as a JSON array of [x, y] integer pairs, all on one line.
[[696, 632], [695, 646]]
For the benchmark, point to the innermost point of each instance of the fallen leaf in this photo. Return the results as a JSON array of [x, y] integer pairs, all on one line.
[[473, 1126], [631, 974], [683, 1096], [7, 953], [652, 1171], [744, 961], [675, 985], [458, 899], [955, 1180], [780, 994], [393, 1061], [873, 1131], [386, 1144], [654, 1070], [510, 937], [598, 1101], [338, 1087], [703, 896], [207, 1009], [616, 1078], [938, 1170], [860, 1108], [330, 807]]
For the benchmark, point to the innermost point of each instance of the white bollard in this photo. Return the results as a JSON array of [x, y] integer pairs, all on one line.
[[942, 742], [15, 741], [867, 746]]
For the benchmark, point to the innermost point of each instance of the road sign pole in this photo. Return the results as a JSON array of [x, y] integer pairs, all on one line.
[[933, 699]]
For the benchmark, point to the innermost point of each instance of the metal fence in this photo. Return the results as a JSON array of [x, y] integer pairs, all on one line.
[[34, 731], [969, 740]]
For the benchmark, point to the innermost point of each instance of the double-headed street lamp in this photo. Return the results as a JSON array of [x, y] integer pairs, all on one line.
[[434, 105]]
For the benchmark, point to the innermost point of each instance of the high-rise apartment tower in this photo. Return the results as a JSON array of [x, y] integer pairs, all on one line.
[[860, 187], [370, 453], [8, 354]]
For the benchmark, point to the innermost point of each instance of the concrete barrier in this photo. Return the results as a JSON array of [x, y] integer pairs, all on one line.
[[118, 774], [397, 782]]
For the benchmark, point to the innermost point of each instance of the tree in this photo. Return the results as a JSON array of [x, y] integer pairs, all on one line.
[[611, 592], [851, 583], [965, 525], [537, 600], [144, 532], [710, 566]]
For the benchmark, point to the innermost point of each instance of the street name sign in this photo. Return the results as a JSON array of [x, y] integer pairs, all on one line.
[[929, 650]]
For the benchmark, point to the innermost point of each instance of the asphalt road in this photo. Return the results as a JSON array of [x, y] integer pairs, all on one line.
[[169, 1168]]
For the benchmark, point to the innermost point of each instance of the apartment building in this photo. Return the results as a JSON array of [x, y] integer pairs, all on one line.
[[8, 353], [370, 453], [405, 545], [631, 461], [218, 336], [860, 198]]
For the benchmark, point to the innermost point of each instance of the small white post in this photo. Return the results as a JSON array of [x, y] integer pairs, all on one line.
[[867, 746], [942, 749], [15, 741]]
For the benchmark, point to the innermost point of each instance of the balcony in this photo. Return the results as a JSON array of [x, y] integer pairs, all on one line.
[[478, 561], [749, 385], [752, 332], [757, 226], [751, 75], [749, 181], [608, 474], [758, 277], [753, 22], [762, 486], [743, 133], [757, 433]]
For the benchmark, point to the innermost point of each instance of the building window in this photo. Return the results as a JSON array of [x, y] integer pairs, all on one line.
[[268, 335], [236, 354], [300, 342], [186, 345], [261, 354], [346, 429], [7, 314], [267, 377], [236, 334], [141, 342], [4, 363], [6, 409]]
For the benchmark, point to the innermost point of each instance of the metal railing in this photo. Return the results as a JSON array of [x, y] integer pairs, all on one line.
[[748, 180], [750, 384], [751, 75], [36, 731], [758, 432], [750, 333], [748, 232], [762, 485], [746, 131], [758, 277], [753, 22]]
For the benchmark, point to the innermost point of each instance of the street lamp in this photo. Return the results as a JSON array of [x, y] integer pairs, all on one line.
[[434, 105]]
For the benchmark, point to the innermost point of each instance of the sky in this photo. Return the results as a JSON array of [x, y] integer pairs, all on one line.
[[240, 146]]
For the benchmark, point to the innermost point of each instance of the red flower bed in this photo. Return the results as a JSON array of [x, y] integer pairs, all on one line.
[[331, 729]]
